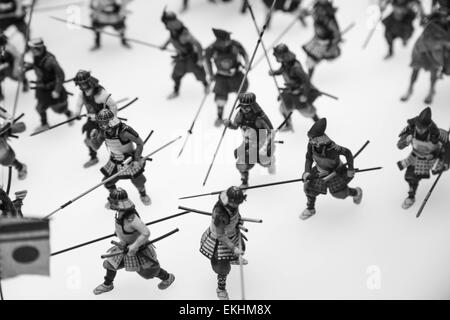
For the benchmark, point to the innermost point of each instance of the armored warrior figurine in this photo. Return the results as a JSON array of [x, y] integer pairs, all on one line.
[[109, 13], [299, 93], [189, 58], [7, 154], [50, 91], [9, 64], [431, 51], [119, 139], [430, 152], [12, 13], [399, 24], [11, 209], [94, 97], [257, 146], [133, 253], [220, 242], [326, 154], [327, 35], [225, 53]]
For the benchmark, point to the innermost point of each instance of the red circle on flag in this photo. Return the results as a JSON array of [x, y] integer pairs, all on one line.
[[25, 254]]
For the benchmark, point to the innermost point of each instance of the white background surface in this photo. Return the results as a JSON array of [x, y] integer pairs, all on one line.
[[330, 256]]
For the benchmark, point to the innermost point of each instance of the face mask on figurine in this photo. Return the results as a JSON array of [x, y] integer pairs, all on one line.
[[283, 54], [85, 82], [233, 197], [118, 200], [422, 129], [171, 21], [223, 39], [106, 120], [423, 122], [246, 100], [174, 25], [317, 137]]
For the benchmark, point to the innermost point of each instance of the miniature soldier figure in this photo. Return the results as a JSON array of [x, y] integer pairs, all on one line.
[[7, 154], [109, 13], [225, 53], [326, 155], [12, 13], [431, 52], [430, 152], [133, 253], [327, 35], [50, 91], [120, 139], [189, 58], [94, 97], [220, 242], [257, 146], [399, 24], [10, 64], [299, 93]]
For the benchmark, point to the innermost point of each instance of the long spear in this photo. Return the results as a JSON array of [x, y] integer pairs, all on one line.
[[268, 185], [105, 256], [268, 62], [428, 195], [125, 168], [290, 181], [258, 31], [75, 118], [277, 39], [210, 214], [113, 235], [137, 41], [239, 91], [333, 174], [241, 266], [432, 187], [189, 132], [8, 186]]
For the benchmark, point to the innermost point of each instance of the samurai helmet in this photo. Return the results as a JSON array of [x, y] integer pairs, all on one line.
[[424, 118], [168, 16], [316, 134], [282, 51], [118, 199], [85, 80], [318, 128], [221, 34], [36, 43], [247, 98], [106, 119], [233, 195]]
